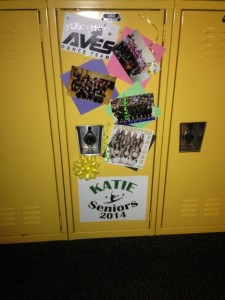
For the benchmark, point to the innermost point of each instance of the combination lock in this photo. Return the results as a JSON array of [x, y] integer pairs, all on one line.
[[89, 138], [188, 135]]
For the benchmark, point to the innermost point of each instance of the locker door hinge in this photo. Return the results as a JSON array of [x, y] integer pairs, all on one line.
[[164, 33], [60, 223], [150, 219], [41, 33]]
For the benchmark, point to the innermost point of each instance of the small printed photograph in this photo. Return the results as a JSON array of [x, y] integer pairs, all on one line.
[[133, 109], [135, 57], [128, 146], [90, 85]]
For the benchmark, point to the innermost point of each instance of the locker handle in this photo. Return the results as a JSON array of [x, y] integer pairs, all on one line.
[[191, 136]]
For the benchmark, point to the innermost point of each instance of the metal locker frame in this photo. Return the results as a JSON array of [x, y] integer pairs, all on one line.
[[40, 6], [180, 7], [53, 7]]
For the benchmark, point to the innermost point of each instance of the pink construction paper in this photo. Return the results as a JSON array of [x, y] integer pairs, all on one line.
[[158, 49], [114, 67]]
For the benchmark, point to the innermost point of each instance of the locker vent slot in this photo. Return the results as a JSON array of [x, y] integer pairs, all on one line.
[[212, 207], [31, 215], [7, 216], [213, 43], [189, 207], [8, 46]]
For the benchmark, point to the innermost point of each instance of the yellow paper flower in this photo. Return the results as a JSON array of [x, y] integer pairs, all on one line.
[[86, 167]]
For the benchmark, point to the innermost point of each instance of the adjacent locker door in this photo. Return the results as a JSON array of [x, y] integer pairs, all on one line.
[[28, 190], [194, 189], [73, 118]]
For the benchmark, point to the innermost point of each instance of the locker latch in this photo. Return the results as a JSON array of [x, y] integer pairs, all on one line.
[[90, 139], [191, 136]]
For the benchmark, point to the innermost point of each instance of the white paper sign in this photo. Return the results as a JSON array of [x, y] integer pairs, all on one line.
[[88, 36], [113, 199]]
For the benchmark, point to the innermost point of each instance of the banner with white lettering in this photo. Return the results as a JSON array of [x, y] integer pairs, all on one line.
[[88, 36], [113, 199]]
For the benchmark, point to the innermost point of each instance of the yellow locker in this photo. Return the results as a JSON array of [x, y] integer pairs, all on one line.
[[192, 196], [68, 112], [31, 191]]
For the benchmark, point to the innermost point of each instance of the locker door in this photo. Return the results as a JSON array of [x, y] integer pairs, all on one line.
[[73, 118], [28, 190], [194, 189]]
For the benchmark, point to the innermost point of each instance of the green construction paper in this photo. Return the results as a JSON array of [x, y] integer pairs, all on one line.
[[157, 111], [108, 109], [141, 124], [135, 89]]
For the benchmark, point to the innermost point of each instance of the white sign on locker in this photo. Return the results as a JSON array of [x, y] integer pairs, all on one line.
[[88, 36], [106, 199]]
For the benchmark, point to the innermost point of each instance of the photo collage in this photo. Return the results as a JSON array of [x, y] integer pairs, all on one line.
[[94, 83]]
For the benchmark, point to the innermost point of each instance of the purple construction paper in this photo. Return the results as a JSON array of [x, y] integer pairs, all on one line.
[[65, 78], [95, 65]]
